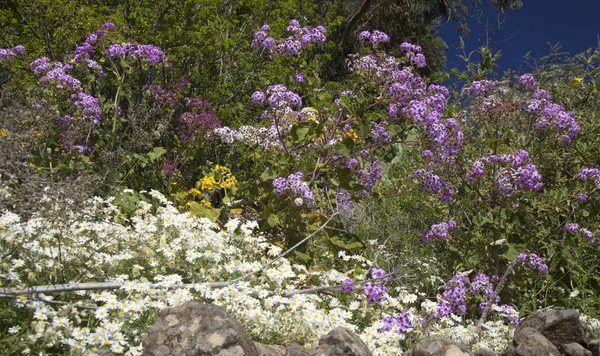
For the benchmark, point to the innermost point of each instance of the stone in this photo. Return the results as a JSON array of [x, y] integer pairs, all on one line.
[[594, 347], [484, 352], [435, 346], [340, 342], [574, 349], [559, 326], [270, 350], [296, 350], [195, 329], [530, 342]]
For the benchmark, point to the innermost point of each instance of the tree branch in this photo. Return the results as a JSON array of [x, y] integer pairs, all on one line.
[[355, 18]]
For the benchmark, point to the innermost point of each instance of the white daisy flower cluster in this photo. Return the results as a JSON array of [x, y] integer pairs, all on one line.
[[159, 257]]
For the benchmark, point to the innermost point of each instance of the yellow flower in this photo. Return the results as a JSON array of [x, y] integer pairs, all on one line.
[[4, 132], [352, 134], [206, 203], [578, 79], [195, 191], [208, 183]]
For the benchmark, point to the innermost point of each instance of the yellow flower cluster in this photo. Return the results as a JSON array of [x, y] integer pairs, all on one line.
[[4, 132], [207, 183], [353, 135]]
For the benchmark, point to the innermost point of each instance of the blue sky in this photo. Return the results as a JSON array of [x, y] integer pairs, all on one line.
[[575, 24]]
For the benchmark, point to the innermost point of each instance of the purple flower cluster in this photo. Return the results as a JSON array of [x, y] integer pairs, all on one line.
[[535, 261], [298, 189], [301, 38], [590, 174], [89, 105], [116, 50], [425, 106], [401, 323], [162, 96], [348, 285], [375, 292], [281, 100], [440, 231], [299, 77], [413, 52], [372, 174], [527, 81], [345, 204], [281, 97], [201, 118], [7, 54], [258, 97], [518, 175], [453, 297], [582, 197], [481, 284], [548, 113], [380, 134], [55, 74], [574, 227], [374, 37], [434, 184], [147, 53], [479, 87]]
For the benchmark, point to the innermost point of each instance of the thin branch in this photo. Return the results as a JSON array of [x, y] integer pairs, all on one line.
[[355, 18], [490, 301], [58, 288], [286, 252]]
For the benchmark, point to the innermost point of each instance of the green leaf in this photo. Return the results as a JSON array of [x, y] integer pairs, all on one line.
[[156, 152], [346, 147], [303, 256], [350, 244], [273, 220], [300, 133], [201, 211]]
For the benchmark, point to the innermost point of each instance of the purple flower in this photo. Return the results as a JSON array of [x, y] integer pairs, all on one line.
[[571, 227], [380, 134], [376, 293], [109, 26], [90, 106], [295, 186], [258, 97], [527, 81], [348, 285], [344, 201], [440, 231], [299, 77], [115, 50], [582, 197]]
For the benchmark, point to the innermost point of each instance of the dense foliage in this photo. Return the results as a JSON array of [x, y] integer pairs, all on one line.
[[153, 153]]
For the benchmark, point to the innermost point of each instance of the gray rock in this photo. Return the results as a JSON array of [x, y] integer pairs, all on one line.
[[484, 352], [435, 346], [296, 350], [558, 326], [269, 350], [594, 347], [195, 329], [574, 349], [530, 342], [340, 342]]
